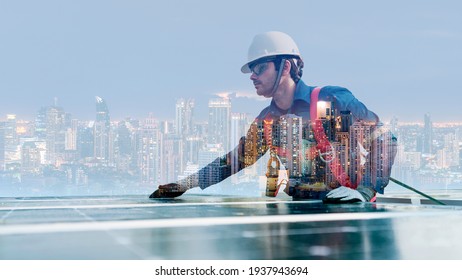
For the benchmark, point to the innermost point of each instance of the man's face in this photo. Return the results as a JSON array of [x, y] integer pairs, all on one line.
[[263, 77]]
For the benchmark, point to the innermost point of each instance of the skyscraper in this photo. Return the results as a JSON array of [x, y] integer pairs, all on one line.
[[192, 145], [31, 156], [184, 130], [216, 166], [184, 111], [101, 130], [71, 136], [258, 140], [2, 146], [394, 125], [172, 158], [54, 134], [427, 135], [149, 156], [360, 145], [451, 150], [85, 141], [238, 129], [11, 140], [41, 123], [125, 138], [382, 156], [219, 122], [11, 137], [289, 138]]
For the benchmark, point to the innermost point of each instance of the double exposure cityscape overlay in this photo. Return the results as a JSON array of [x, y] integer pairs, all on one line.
[[56, 154]]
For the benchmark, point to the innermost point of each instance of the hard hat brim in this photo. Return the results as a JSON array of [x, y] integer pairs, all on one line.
[[264, 58], [245, 69]]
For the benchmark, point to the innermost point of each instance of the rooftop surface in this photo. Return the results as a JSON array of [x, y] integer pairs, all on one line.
[[217, 227]]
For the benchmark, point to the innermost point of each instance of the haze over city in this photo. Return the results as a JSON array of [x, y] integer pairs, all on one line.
[[397, 57]]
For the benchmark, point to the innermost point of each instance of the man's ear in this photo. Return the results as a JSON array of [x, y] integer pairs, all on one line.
[[287, 66]]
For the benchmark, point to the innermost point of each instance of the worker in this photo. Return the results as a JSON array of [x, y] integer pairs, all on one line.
[[276, 68]]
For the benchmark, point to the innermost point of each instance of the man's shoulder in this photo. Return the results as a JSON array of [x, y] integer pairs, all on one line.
[[335, 91], [264, 113], [304, 91], [341, 95]]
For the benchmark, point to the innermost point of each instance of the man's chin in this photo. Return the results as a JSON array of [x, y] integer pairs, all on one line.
[[266, 95]]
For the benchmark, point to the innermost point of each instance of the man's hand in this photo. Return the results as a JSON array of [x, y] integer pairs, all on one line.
[[343, 195], [169, 191]]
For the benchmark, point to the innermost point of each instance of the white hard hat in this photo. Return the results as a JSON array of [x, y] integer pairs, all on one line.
[[270, 44]]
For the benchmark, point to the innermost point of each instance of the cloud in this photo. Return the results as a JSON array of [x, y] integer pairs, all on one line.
[[239, 94]]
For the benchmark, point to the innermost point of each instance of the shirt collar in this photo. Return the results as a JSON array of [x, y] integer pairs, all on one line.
[[302, 92]]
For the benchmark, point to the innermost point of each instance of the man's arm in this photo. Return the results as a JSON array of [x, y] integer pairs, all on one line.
[[246, 153], [383, 147], [383, 142]]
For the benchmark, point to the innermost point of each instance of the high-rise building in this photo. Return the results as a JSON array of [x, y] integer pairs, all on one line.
[[41, 123], [394, 125], [2, 146], [289, 139], [85, 141], [192, 146], [167, 127], [219, 122], [238, 130], [184, 130], [451, 150], [258, 140], [101, 131], [11, 137], [346, 121], [149, 154], [184, 113], [427, 141], [172, 158], [126, 145], [54, 132], [341, 149], [412, 160], [382, 156], [360, 145], [31, 156], [441, 159], [11, 141], [125, 133], [216, 166], [25, 128], [71, 136]]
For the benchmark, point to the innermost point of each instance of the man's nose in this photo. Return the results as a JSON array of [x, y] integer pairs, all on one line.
[[253, 76]]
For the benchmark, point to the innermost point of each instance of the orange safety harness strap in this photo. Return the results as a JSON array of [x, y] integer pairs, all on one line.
[[325, 148]]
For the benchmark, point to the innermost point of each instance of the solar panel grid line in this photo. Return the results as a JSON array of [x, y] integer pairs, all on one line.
[[147, 205], [201, 222]]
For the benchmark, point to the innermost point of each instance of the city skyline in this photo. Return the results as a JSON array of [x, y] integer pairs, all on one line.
[[202, 116], [145, 152], [398, 58]]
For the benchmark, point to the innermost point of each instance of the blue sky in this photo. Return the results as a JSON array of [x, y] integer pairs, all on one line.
[[400, 58]]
